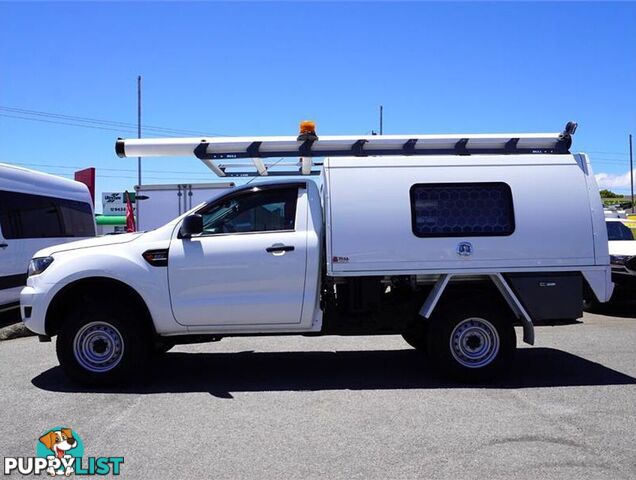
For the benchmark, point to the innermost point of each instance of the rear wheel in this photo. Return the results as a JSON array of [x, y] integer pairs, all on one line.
[[590, 303], [102, 347], [472, 342]]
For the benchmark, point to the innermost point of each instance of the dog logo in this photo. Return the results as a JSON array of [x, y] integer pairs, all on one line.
[[62, 444], [59, 441]]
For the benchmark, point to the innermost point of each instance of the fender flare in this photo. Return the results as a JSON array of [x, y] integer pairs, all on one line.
[[504, 289], [56, 302]]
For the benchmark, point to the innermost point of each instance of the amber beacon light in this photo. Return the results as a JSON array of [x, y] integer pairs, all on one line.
[[308, 127]]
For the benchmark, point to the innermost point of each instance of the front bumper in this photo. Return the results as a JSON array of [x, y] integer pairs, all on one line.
[[33, 309]]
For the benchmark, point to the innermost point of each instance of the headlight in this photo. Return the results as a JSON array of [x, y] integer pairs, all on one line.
[[38, 265]]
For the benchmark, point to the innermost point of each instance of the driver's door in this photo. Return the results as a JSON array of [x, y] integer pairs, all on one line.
[[248, 265]]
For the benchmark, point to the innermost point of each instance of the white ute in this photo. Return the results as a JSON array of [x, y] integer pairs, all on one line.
[[449, 240]]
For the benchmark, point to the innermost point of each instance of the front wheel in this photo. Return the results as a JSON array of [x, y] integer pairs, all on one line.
[[472, 344], [102, 347]]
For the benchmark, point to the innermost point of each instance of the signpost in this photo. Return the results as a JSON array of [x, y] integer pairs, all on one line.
[[631, 171], [113, 203]]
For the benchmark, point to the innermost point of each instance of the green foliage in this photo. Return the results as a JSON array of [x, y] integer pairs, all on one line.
[[609, 194]]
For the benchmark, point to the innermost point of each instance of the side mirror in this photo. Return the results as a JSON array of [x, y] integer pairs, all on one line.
[[192, 225]]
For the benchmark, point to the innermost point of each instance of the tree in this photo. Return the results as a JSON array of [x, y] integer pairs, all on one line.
[[609, 194]]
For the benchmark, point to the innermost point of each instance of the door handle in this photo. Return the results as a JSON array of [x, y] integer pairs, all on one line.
[[279, 248], [4, 245]]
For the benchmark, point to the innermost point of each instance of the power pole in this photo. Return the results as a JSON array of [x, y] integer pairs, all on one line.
[[139, 126], [138, 136], [631, 170], [381, 114]]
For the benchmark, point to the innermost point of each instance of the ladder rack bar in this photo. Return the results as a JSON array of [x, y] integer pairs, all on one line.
[[306, 147], [287, 173], [263, 147], [269, 165], [461, 149], [260, 166], [214, 167], [306, 164]]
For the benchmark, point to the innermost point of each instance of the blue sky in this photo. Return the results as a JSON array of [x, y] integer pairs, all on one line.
[[259, 68]]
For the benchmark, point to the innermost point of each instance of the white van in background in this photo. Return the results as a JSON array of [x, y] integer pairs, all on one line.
[[37, 210]]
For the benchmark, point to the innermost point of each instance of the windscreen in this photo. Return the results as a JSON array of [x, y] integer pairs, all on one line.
[[618, 231]]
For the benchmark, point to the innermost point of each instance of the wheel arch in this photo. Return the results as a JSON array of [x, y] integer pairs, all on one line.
[[86, 289], [497, 286]]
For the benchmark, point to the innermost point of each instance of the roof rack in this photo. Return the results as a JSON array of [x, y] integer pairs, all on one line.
[[308, 145]]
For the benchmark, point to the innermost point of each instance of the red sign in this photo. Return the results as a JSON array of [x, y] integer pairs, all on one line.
[[87, 177]]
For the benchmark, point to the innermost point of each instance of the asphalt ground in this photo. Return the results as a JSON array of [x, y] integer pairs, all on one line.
[[338, 407]]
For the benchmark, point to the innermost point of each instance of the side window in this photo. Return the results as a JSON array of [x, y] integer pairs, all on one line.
[[77, 218], [24, 215], [462, 210], [253, 211], [9, 221]]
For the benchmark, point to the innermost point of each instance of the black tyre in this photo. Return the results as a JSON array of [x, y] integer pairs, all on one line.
[[590, 303], [416, 335], [472, 342], [103, 346]]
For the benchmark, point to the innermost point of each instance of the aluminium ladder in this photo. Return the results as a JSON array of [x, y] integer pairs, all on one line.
[[307, 146]]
